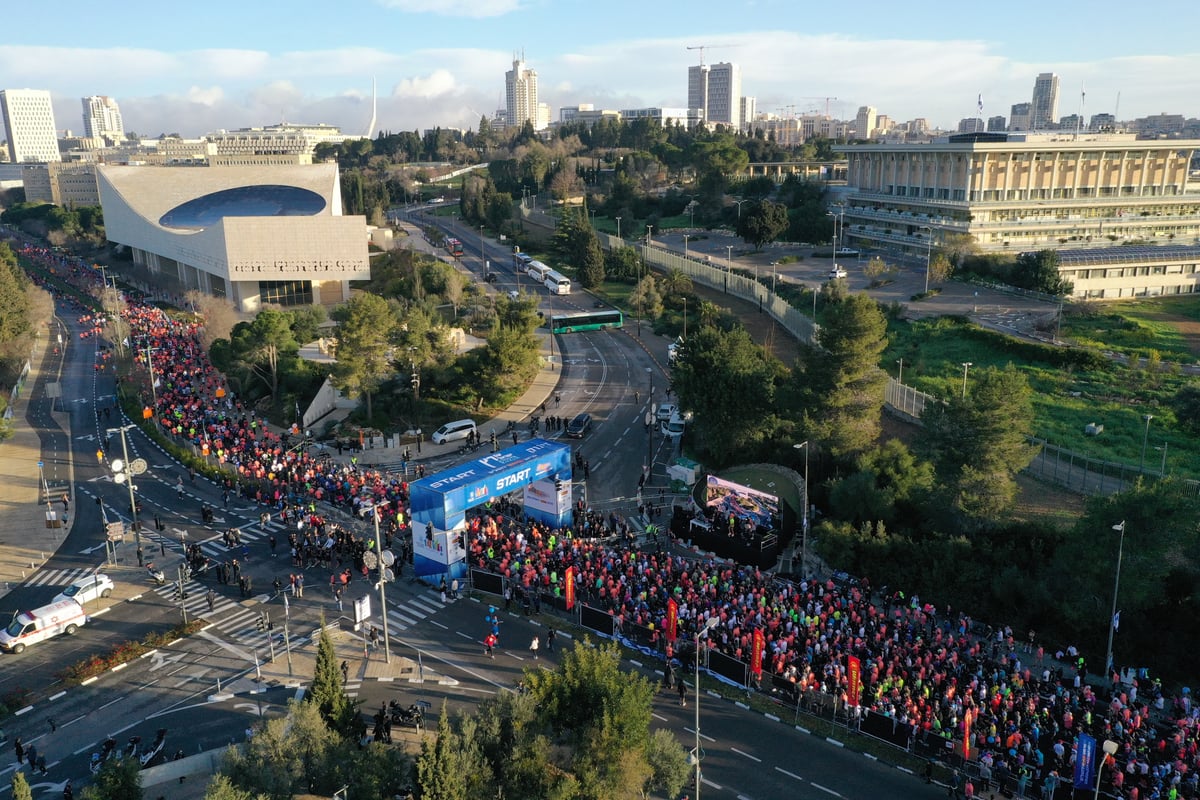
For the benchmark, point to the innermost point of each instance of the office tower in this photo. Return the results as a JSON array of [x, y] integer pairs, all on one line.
[[520, 91], [29, 125], [749, 110], [996, 123], [1045, 101], [865, 122], [716, 89], [1020, 117], [102, 118]]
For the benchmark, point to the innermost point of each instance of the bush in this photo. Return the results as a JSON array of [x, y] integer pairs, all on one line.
[[126, 651]]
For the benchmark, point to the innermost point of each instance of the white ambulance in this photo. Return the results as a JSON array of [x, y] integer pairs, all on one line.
[[31, 627]]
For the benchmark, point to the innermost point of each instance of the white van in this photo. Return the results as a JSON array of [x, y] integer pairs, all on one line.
[[459, 429], [674, 426], [31, 627]]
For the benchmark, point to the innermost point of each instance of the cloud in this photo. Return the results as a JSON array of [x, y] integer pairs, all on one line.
[[437, 83], [455, 8], [205, 97]]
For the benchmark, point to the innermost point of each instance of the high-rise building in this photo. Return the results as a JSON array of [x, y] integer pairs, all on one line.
[[1103, 122], [102, 118], [749, 110], [521, 94], [1045, 101], [970, 125], [29, 125], [716, 89], [996, 123], [866, 122], [1020, 117]]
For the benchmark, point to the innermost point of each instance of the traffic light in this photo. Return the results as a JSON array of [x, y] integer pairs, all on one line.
[[262, 622], [558, 485]]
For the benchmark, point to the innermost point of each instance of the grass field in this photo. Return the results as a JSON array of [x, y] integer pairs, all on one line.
[[1065, 400], [1169, 325]]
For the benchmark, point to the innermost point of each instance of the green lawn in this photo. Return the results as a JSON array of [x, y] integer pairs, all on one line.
[[1138, 326], [1065, 399]]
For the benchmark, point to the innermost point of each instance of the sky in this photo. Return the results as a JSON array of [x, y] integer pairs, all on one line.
[[220, 64]]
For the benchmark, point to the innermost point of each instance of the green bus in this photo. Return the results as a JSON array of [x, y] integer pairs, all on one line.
[[591, 321]]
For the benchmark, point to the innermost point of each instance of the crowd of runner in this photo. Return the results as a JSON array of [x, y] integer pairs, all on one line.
[[920, 667]]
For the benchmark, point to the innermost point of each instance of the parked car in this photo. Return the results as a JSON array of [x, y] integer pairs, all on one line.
[[87, 589], [666, 410], [489, 277], [837, 272], [580, 426]]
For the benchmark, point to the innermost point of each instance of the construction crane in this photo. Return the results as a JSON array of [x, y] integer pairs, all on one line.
[[703, 47], [820, 97]]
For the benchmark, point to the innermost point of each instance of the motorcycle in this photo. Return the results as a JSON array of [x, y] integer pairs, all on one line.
[[98, 759], [131, 748], [160, 741], [410, 716], [156, 574]]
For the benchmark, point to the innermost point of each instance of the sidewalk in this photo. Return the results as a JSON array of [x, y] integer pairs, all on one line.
[[25, 541]]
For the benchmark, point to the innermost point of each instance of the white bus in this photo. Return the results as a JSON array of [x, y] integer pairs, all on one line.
[[557, 283], [537, 270]]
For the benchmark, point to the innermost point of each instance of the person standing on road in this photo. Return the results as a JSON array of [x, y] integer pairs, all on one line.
[[489, 643], [19, 749], [551, 635], [211, 597]]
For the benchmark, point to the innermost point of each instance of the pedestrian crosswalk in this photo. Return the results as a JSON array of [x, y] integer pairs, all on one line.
[[412, 611], [228, 615], [59, 577]]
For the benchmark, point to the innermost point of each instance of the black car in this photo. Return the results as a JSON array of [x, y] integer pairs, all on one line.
[[489, 277], [580, 426]]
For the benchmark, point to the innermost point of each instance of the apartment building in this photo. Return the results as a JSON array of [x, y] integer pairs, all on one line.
[[29, 125]]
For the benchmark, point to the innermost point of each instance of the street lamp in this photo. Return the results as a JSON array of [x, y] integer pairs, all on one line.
[[383, 567], [123, 472], [728, 265], [739, 205], [900, 377], [618, 219], [697, 754], [649, 234], [685, 241], [1112, 619], [482, 255], [804, 519], [1110, 749], [928, 253], [839, 214], [966, 366], [1145, 436], [1162, 470]]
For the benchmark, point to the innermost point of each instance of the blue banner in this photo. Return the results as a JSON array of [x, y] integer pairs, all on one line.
[[443, 499], [1085, 761]]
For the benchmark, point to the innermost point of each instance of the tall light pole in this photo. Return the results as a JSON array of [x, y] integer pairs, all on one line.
[[836, 240], [739, 205], [1162, 470], [966, 366], [649, 234], [150, 366], [482, 255], [900, 377], [1145, 437], [618, 219], [387, 652], [697, 753], [728, 265], [685, 241], [804, 515], [1110, 749], [928, 253], [124, 472], [1112, 618]]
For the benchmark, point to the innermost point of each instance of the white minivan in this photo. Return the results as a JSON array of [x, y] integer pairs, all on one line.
[[459, 429], [31, 627]]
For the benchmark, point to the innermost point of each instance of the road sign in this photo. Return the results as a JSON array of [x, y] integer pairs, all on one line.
[[362, 609], [41, 464], [115, 530]]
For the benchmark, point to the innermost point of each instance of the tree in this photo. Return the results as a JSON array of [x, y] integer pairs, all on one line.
[[365, 327], [222, 788], [218, 314], [730, 383], [14, 302], [843, 386], [259, 345], [762, 223], [940, 268], [677, 283], [957, 247], [328, 691], [1186, 405], [979, 442], [1039, 272], [890, 484], [449, 765], [591, 266], [646, 299], [20, 787], [117, 780], [623, 263], [876, 268]]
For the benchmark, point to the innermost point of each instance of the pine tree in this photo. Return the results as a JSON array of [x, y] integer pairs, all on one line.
[[328, 691]]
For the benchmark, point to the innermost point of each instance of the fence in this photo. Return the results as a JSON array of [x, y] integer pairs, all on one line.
[[16, 390], [907, 401]]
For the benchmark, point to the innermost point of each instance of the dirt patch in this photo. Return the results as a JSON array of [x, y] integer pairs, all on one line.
[[1189, 329]]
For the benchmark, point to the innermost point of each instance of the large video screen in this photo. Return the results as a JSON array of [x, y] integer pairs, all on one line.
[[726, 497]]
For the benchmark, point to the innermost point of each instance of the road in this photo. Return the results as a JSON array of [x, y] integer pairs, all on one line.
[[614, 375]]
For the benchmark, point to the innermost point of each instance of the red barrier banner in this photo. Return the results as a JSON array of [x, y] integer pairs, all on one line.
[[672, 620], [854, 675], [756, 652], [569, 591]]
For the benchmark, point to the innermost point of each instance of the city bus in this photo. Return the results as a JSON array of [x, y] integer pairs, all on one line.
[[537, 270], [557, 283], [591, 321], [454, 247]]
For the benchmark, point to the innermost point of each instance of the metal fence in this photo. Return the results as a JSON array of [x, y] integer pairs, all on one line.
[[907, 401]]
